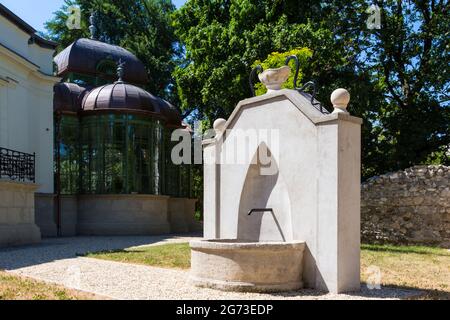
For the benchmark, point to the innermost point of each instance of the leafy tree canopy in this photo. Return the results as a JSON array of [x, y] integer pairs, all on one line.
[[397, 74], [141, 26]]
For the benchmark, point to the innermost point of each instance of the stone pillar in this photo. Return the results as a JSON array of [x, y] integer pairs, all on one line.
[[338, 229], [211, 218], [17, 225], [211, 183]]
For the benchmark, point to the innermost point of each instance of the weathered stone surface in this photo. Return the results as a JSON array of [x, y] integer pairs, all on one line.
[[312, 187], [232, 265], [407, 207], [17, 223]]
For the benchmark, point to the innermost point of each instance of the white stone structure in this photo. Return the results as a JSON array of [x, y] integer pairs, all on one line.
[[17, 223], [26, 123], [26, 94], [311, 183]]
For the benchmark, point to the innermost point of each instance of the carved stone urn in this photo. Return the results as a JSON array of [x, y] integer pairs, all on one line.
[[273, 79]]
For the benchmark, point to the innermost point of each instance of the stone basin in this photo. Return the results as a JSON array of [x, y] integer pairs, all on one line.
[[235, 265]]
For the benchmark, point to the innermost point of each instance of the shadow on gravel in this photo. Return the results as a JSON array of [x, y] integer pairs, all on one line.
[[52, 249], [386, 292]]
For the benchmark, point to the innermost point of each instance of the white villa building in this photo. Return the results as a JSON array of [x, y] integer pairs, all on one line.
[[26, 126], [26, 94], [56, 180]]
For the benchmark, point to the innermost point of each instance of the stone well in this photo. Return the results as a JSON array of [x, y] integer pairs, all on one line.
[[282, 172]]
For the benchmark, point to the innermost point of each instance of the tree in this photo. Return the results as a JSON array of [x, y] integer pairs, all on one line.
[[141, 26], [397, 75], [223, 39], [409, 59]]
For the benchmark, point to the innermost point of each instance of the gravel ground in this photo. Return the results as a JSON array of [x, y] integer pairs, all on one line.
[[56, 261]]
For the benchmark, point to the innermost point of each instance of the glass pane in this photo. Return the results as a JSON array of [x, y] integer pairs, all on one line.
[[114, 154]]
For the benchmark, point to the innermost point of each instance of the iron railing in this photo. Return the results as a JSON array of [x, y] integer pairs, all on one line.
[[17, 166]]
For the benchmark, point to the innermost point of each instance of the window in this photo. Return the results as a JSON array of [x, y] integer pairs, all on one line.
[[119, 154]]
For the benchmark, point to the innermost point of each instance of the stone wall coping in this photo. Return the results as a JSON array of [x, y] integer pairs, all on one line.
[[188, 199], [67, 196], [44, 194], [19, 184], [333, 117], [234, 244], [299, 101], [122, 196], [409, 170]]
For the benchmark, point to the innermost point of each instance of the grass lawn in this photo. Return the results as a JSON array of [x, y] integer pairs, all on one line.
[[416, 267], [14, 287], [173, 255]]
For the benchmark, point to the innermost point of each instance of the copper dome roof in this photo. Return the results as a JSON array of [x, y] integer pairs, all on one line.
[[127, 97], [84, 55], [67, 97]]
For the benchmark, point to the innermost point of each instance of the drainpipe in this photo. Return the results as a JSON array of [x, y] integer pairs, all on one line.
[[58, 173]]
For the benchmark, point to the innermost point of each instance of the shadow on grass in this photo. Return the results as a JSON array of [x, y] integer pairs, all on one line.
[[95, 253]]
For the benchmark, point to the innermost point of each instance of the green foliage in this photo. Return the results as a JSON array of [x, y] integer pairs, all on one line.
[[277, 59], [397, 75], [141, 26], [224, 38]]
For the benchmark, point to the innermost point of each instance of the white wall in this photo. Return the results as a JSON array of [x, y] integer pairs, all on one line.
[[26, 100], [16, 39], [314, 193]]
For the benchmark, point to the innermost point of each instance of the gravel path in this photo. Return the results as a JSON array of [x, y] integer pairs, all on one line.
[[56, 260]]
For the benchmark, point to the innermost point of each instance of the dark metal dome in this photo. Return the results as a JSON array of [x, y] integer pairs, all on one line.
[[171, 113], [85, 55], [67, 97], [126, 97]]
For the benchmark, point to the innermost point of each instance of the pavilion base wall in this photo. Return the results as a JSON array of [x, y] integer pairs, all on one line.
[[111, 215], [45, 214], [181, 214], [17, 224]]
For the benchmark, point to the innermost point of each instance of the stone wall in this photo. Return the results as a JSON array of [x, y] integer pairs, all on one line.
[[116, 215], [181, 216], [45, 214], [122, 215], [17, 225], [408, 207]]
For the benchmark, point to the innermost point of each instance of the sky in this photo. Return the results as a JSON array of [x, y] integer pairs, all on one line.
[[36, 13]]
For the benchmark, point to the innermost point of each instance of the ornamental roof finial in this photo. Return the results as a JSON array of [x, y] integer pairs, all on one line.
[[92, 27], [120, 70]]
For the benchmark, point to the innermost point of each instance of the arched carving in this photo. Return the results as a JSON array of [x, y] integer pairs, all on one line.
[[264, 188]]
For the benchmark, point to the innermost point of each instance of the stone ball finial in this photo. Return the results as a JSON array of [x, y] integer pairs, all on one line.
[[340, 99], [219, 125]]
